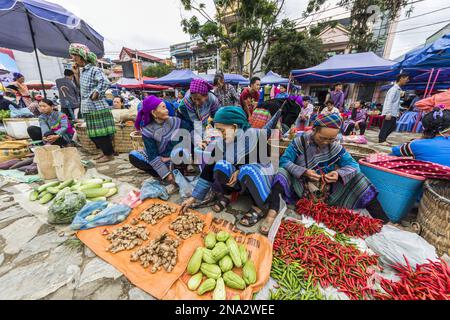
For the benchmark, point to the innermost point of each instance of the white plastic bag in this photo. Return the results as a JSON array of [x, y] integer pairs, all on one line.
[[394, 245], [186, 188]]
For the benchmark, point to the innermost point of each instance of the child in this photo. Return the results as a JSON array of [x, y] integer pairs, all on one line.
[[54, 126]]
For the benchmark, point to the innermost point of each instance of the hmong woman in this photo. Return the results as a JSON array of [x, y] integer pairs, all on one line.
[[54, 126], [315, 154], [94, 107], [157, 129], [20, 89], [246, 171], [358, 120], [199, 104]]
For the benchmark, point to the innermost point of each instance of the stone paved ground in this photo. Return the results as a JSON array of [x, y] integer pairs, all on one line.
[[40, 261]]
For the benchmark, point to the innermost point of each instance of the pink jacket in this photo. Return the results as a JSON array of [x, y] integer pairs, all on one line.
[[428, 104]]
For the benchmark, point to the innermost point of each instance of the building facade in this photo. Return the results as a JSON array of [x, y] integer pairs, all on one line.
[[195, 55]]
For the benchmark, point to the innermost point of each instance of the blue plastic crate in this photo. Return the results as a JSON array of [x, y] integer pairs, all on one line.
[[397, 192]]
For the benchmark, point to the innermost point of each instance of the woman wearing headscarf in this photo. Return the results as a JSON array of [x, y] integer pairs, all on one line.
[[94, 107], [435, 144], [238, 164], [20, 89], [158, 130], [358, 120], [315, 163], [199, 104]]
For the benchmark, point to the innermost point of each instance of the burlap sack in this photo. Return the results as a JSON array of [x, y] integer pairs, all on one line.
[[43, 157], [67, 163], [13, 150]]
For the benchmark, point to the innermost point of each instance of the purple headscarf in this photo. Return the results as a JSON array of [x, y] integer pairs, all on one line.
[[144, 116], [298, 100], [200, 86]]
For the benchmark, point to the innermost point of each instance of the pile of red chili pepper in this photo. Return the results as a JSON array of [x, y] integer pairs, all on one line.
[[430, 281], [329, 262], [340, 220]]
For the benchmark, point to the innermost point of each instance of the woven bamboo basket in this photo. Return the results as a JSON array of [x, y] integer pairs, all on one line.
[[358, 151], [136, 140], [84, 140], [434, 215], [280, 145], [122, 139]]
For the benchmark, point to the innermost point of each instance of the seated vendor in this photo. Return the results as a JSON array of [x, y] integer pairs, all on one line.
[[330, 109], [316, 163], [246, 171], [358, 120], [157, 129], [54, 126], [305, 114], [435, 144]]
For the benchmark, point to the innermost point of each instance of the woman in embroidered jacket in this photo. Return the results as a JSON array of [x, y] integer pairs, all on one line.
[[244, 171], [318, 153], [358, 120], [158, 129]]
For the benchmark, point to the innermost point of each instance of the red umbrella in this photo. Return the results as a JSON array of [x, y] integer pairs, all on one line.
[[131, 83]]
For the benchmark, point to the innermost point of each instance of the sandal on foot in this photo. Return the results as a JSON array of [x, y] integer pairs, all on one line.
[[222, 203], [252, 217], [105, 159], [98, 157], [267, 224]]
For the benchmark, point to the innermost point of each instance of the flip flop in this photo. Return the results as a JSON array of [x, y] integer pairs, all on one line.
[[252, 217], [222, 202]]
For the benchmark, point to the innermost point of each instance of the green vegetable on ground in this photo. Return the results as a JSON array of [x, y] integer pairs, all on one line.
[[233, 281], [48, 185], [233, 249], [47, 198], [249, 273], [95, 193], [219, 251], [220, 292], [34, 196], [195, 281], [226, 264], [211, 270], [207, 286], [210, 240], [195, 262], [243, 254], [222, 236], [207, 256]]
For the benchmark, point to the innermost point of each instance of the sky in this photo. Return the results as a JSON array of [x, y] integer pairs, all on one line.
[[155, 24]]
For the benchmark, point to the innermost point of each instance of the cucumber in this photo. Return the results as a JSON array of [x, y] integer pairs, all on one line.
[[42, 194], [47, 198], [109, 185], [48, 185], [95, 193], [98, 199], [34, 196], [90, 186], [53, 190], [65, 184], [92, 181], [75, 187], [112, 192]]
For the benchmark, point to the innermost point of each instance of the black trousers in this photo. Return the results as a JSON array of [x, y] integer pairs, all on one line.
[[351, 127], [142, 165], [374, 208], [35, 134], [105, 144], [388, 127]]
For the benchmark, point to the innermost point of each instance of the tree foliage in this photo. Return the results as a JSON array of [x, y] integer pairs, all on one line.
[[292, 50], [250, 26], [157, 71], [363, 13]]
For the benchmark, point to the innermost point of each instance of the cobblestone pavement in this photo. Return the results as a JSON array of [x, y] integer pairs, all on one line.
[[41, 261]]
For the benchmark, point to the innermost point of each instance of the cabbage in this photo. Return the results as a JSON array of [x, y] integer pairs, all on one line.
[[65, 206]]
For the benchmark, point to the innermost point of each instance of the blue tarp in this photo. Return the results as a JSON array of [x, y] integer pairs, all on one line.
[[273, 78], [7, 63], [177, 78], [350, 68], [54, 28], [420, 86], [231, 78], [434, 55]]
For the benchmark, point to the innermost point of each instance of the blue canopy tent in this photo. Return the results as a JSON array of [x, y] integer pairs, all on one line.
[[231, 78], [350, 68], [177, 78], [273, 78], [44, 26]]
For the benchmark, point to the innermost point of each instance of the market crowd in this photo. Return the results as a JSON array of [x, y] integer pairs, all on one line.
[[233, 126]]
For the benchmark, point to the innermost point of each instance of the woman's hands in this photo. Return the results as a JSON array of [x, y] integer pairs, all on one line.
[[185, 206], [332, 177], [312, 176], [233, 179]]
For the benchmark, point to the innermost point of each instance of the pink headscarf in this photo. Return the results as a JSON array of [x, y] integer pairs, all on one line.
[[144, 116], [200, 86]]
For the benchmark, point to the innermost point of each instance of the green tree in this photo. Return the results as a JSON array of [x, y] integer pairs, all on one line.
[[157, 71], [292, 50], [249, 26], [363, 13]]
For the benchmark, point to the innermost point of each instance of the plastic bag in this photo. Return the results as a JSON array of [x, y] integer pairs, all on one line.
[[65, 206], [186, 188], [393, 245], [100, 213], [355, 139], [152, 189], [20, 113]]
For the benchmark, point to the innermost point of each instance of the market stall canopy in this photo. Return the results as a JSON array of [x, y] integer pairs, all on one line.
[[177, 78], [420, 86], [231, 78], [131, 83], [434, 55], [350, 68], [53, 27], [273, 78], [37, 85]]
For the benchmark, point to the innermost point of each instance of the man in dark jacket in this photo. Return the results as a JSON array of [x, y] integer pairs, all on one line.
[[69, 95]]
